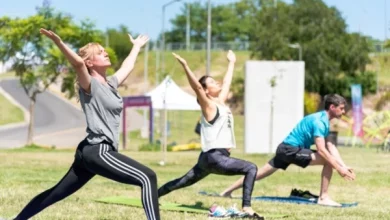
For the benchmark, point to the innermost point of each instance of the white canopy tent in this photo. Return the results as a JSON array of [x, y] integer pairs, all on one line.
[[169, 96], [175, 98]]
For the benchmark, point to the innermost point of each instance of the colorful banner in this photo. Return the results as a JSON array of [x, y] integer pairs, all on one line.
[[357, 109]]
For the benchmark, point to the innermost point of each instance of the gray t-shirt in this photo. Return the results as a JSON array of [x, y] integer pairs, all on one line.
[[102, 108]]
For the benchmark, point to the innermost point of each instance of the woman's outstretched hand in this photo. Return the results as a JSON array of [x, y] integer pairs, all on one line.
[[140, 41], [180, 59], [50, 34]]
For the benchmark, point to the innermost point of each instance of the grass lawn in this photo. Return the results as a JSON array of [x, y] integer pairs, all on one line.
[[182, 130], [381, 63], [7, 75], [195, 59], [24, 173], [9, 113]]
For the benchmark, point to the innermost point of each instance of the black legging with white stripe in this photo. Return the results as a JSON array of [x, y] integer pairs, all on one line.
[[101, 159]]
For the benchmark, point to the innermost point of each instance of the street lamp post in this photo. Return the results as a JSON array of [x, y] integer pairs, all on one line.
[[297, 46], [188, 27], [385, 20], [162, 45], [163, 33], [208, 38], [162, 49]]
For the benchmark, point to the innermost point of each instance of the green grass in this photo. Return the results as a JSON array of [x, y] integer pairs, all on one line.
[[24, 174], [195, 59], [197, 62], [7, 75], [381, 64], [9, 113], [183, 130]]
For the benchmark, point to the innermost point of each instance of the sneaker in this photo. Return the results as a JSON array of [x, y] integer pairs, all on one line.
[[303, 194], [234, 212], [218, 212]]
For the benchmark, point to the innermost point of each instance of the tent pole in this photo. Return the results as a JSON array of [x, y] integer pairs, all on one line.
[[165, 134]]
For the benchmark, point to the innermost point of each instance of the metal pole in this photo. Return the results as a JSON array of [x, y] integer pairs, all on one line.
[[271, 122], [163, 41], [208, 38], [188, 28], [385, 20], [157, 63], [146, 67], [146, 81], [165, 131], [124, 133], [107, 40], [163, 35]]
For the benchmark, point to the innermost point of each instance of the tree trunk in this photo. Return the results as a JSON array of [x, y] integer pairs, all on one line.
[[30, 134]]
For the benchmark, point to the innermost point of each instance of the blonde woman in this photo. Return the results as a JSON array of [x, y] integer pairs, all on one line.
[[98, 153]]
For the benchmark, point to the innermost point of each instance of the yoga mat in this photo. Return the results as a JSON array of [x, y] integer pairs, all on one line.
[[196, 208], [298, 200], [136, 202], [290, 199]]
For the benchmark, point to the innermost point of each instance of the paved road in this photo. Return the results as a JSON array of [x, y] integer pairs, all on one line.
[[57, 122], [52, 115]]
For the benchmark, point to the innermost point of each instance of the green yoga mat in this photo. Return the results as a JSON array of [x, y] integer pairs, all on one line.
[[136, 202], [195, 208]]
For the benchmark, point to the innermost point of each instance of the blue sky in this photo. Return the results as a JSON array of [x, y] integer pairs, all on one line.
[[144, 16]]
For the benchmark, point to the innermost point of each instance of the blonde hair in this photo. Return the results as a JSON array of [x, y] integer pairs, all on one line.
[[89, 50], [86, 52]]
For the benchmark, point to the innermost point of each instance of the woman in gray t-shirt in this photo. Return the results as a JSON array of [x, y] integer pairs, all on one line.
[[98, 152]]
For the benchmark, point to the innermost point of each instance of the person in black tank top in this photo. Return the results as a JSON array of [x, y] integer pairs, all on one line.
[[215, 160]]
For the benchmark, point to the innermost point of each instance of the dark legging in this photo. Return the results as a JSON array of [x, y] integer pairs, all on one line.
[[101, 159], [216, 161]]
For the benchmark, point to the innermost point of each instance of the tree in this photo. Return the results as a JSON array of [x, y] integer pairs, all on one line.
[[230, 22], [272, 31], [36, 61], [118, 41], [333, 58], [376, 45]]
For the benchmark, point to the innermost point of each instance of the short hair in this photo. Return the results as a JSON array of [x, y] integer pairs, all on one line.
[[334, 99]]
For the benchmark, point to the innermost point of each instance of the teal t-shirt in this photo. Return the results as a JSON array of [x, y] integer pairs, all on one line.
[[311, 126]]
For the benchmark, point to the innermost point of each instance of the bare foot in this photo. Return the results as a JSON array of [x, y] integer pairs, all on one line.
[[327, 202], [248, 210], [225, 194]]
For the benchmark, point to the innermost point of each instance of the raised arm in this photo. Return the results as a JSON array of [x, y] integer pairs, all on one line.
[[227, 80], [74, 59], [128, 63], [204, 101]]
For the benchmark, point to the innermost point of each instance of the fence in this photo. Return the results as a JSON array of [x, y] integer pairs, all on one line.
[[236, 46]]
